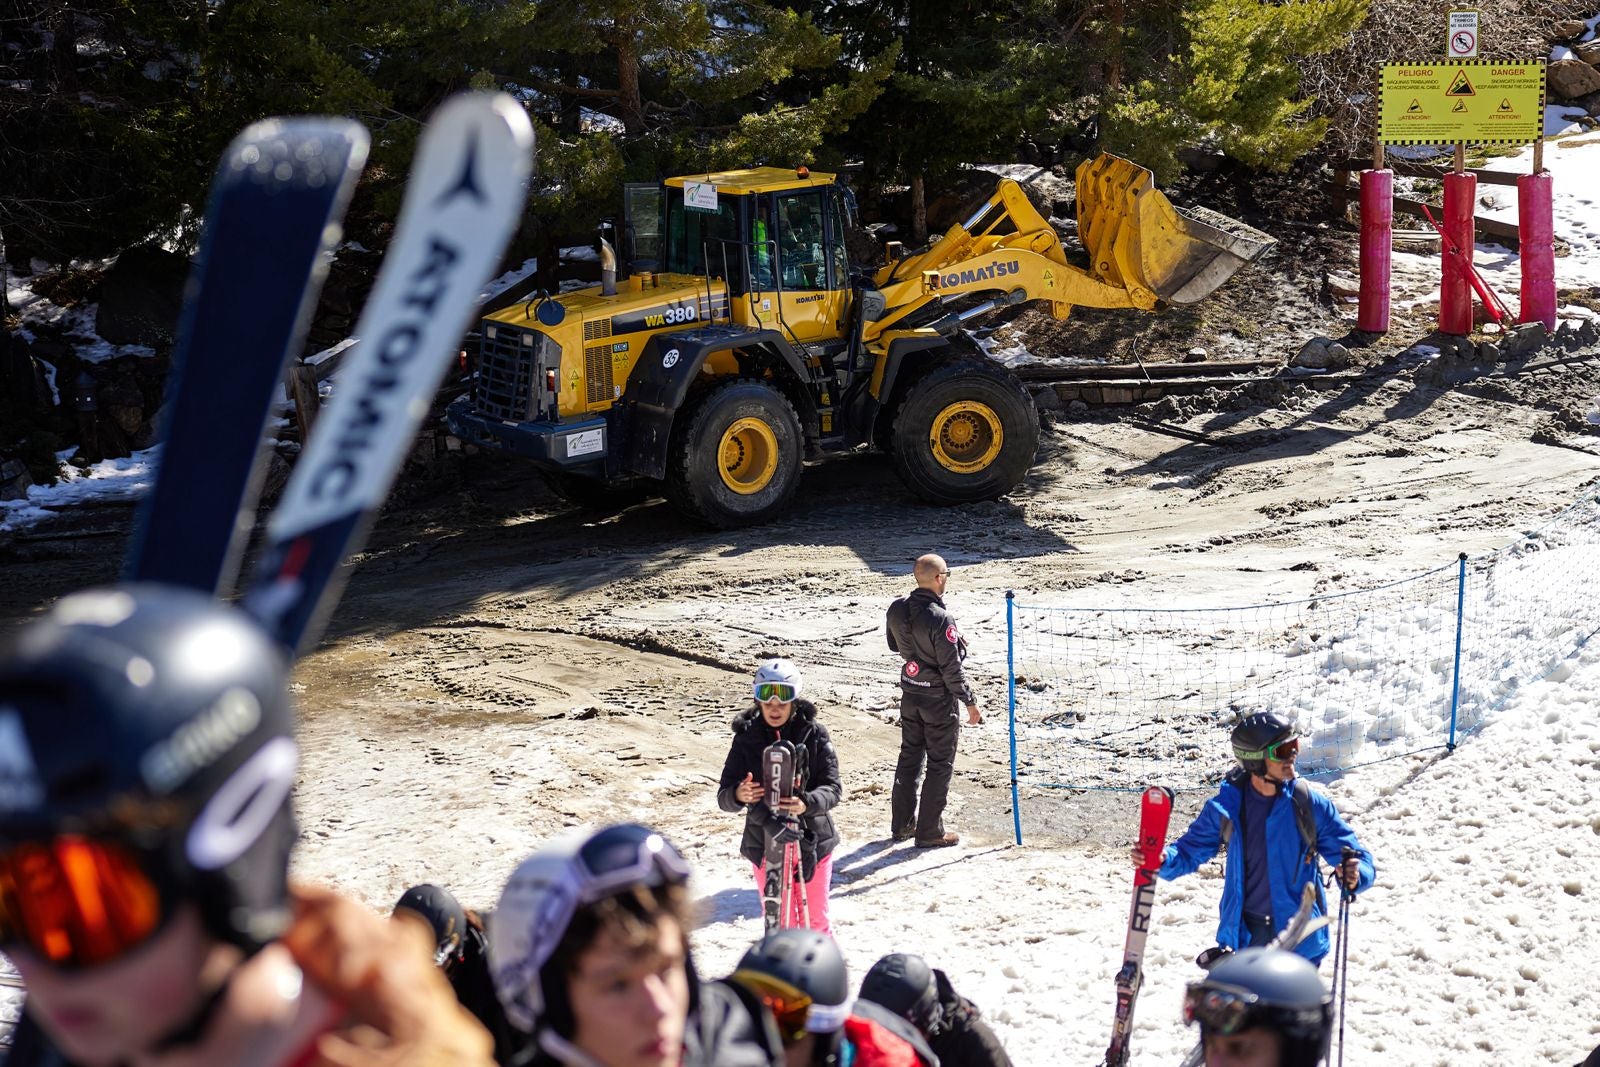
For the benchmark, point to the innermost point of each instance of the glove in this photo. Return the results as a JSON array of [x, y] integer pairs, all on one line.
[[787, 829]]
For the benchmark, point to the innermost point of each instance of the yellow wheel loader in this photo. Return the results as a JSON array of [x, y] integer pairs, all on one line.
[[742, 341]]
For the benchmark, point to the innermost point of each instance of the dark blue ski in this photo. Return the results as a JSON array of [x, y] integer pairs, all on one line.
[[274, 216], [463, 202]]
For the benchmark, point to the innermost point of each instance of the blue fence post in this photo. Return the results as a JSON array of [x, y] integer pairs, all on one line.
[[1011, 701], [1455, 682]]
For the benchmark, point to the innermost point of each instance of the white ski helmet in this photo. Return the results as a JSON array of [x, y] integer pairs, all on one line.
[[778, 672], [575, 869]]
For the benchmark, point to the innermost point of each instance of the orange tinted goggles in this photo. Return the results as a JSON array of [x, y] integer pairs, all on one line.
[[789, 1006], [76, 901]]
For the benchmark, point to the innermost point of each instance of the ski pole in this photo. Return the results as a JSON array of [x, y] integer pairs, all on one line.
[[1341, 974]]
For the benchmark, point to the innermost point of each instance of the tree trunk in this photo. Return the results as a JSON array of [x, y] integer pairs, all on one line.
[[1116, 19], [629, 101], [63, 25], [919, 210]]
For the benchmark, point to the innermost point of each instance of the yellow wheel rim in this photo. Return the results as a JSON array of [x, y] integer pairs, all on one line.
[[966, 437], [747, 456]]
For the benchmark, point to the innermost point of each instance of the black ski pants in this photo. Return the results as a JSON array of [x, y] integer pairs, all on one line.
[[929, 727]]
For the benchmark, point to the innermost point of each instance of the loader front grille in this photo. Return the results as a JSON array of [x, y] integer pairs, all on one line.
[[511, 362]]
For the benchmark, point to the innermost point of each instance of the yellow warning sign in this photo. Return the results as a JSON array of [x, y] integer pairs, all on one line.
[[1477, 101]]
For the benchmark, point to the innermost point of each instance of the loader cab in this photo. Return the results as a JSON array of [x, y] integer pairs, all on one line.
[[774, 236]]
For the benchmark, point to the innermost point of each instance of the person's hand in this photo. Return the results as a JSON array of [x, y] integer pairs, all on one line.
[[1137, 855], [974, 716], [792, 806], [401, 1011], [748, 791], [1350, 872]]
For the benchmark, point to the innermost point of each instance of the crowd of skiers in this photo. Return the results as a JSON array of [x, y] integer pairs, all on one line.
[[147, 758]]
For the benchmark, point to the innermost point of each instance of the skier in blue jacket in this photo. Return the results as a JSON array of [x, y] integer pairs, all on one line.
[[1278, 824]]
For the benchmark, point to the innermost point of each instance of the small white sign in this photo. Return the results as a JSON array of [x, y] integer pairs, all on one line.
[[699, 196], [670, 360], [1461, 42], [585, 442]]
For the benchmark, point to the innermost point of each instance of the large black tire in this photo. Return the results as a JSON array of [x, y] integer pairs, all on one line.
[[736, 455], [592, 494], [967, 430]]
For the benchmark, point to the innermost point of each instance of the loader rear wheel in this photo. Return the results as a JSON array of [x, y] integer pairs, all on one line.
[[735, 455], [966, 431]]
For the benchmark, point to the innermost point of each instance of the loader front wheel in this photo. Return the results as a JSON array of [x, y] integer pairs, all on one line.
[[735, 455], [966, 431]]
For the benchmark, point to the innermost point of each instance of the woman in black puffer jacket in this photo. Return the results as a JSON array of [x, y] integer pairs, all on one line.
[[780, 714]]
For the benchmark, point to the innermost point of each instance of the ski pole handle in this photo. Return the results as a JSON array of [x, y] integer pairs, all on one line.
[[1346, 854]]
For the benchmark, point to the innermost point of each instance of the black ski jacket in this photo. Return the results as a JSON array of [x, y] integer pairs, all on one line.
[[927, 638], [474, 988], [817, 781], [963, 1039]]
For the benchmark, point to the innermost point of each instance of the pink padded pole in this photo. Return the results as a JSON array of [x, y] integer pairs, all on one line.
[[1455, 288], [1377, 247], [1536, 236]]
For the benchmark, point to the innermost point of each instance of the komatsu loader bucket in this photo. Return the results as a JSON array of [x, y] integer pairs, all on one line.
[[1137, 238]]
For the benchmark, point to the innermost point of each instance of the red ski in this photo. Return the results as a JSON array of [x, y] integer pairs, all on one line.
[[1155, 812]]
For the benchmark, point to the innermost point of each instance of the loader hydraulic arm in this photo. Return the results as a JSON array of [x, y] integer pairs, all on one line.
[[1006, 247], [1142, 251]]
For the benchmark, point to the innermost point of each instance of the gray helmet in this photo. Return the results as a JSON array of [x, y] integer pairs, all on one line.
[[904, 984], [1270, 988], [809, 962], [1255, 734], [159, 718]]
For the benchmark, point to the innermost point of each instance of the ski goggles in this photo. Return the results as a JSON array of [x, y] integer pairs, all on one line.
[[77, 902], [1278, 752], [766, 691], [624, 855], [1226, 1010], [792, 1008]]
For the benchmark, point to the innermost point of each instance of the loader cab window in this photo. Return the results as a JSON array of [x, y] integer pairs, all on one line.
[[802, 240], [840, 219], [700, 242]]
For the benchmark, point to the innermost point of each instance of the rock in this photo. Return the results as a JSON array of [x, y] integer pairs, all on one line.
[[141, 297], [1466, 351], [1077, 407], [1045, 399], [277, 476], [1195, 355], [1569, 29], [14, 480], [1489, 351], [1569, 79], [1589, 52], [1340, 287], [1313, 355], [1338, 356], [1167, 409], [1588, 333]]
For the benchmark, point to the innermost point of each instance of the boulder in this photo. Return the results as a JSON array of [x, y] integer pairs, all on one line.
[[1045, 399], [1195, 355], [1569, 29], [141, 297], [14, 479], [1569, 79], [1589, 52], [1338, 356], [1313, 355]]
